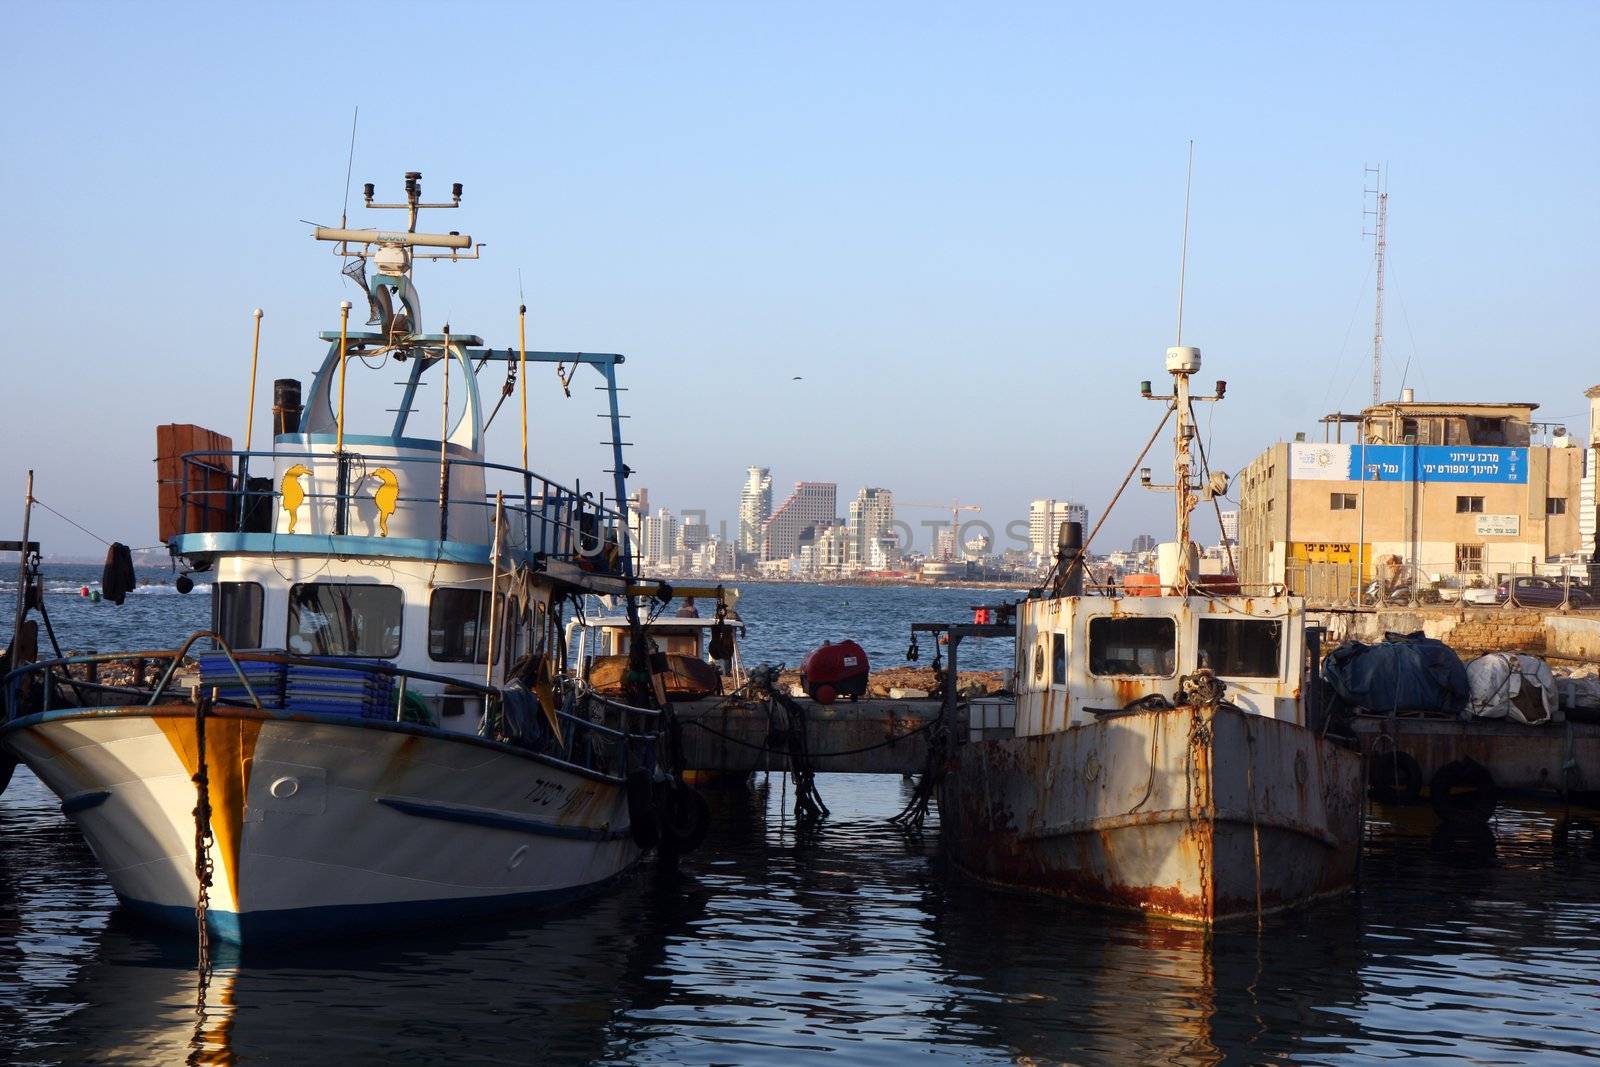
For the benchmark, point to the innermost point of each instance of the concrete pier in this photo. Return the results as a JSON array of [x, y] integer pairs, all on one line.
[[1553, 759], [862, 737]]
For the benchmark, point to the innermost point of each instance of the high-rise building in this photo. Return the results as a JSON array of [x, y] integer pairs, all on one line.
[[1230, 525], [660, 537], [810, 506], [1044, 525], [691, 535], [872, 536], [825, 550], [755, 507], [1143, 543], [638, 517]]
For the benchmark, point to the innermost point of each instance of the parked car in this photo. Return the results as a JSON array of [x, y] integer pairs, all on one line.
[[1545, 592]]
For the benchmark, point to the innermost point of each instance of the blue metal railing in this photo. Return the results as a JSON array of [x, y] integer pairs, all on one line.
[[556, 522]]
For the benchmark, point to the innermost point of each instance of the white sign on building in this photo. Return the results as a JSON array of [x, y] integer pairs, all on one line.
[[1499, 526]]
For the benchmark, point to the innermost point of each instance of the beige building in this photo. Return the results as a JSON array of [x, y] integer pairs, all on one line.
[[1426, 494]]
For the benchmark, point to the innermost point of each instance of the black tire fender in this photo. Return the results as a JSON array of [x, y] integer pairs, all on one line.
[[642, 821], [685, 818], [1463, 791], [1393, 777]]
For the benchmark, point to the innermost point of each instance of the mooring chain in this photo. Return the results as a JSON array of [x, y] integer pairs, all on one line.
[[912, 816], [203, 839]]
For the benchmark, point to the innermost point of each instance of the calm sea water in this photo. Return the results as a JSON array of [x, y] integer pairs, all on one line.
[[850, 942]]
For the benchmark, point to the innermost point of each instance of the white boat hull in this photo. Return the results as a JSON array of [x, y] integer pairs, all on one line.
[[1191, 813], [323, 826]]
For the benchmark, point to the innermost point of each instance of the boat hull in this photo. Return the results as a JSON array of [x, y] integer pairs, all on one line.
[[322, 826], [1197, 814]]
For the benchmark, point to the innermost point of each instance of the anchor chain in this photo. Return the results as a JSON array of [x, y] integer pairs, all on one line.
[[203, 840]]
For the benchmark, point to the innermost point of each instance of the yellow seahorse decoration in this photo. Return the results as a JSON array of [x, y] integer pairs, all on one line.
[[386, 497], [294, 494]]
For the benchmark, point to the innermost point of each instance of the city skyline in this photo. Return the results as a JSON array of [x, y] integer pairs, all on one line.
[[950, 320]]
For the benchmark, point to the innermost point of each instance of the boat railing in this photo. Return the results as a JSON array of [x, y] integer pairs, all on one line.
[[599, 735], [543, 519]]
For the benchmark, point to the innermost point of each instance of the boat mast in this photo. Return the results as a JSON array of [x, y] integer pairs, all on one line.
[[1183, 361]]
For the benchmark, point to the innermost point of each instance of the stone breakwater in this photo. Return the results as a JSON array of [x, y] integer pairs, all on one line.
[[1476, 631]]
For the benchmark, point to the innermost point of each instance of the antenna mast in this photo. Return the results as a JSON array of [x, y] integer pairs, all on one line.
[[1379, 212], [1183, 256]]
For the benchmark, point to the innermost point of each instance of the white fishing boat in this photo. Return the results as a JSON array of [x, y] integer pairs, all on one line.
[[383, 732], [1163, 753]]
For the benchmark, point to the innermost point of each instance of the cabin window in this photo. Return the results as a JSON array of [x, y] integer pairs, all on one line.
[[1240, 648], [1133, 645], [1058, 659], [236, 613], [458, 625], [341, 619]]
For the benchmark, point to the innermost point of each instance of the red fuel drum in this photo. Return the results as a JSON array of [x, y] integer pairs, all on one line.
[[833, 671]]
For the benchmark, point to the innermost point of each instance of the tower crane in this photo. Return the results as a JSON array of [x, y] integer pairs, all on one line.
[[955, 508]]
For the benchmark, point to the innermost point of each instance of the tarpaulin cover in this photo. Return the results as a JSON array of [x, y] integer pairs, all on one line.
[[1509, 685], [1407, 672]]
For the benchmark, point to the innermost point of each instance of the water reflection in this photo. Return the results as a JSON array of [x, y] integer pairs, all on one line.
[[849, 940]]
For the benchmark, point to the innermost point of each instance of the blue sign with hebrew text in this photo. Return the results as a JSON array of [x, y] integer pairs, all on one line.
[[1439, 463]]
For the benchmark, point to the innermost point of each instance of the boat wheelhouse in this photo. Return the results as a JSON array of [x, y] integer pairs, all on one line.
[[701, 650]]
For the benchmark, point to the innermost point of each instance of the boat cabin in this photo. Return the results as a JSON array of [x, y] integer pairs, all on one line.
[[1080, 658], [687, 636]]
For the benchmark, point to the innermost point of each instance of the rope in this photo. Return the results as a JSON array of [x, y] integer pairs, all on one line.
[[69, 522], [202, 842], [1205, 467], [1057, 573], [809, 807], [912, 816]]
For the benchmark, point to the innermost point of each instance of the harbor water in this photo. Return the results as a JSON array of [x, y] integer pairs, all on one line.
[[849, 941]]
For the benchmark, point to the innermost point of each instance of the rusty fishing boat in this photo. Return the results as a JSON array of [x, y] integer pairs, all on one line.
[[1164, 752]]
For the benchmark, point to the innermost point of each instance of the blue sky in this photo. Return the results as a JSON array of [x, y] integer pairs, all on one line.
[[959, 223]]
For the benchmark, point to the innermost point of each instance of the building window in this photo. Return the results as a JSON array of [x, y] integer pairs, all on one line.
[[236, 613], [1468, 505], [1469, 559], [458, 625], [1342, 501], [1269, 504], [343, 619], [1555, 505], [1133, 645], [1240, 648], [1408, 430]]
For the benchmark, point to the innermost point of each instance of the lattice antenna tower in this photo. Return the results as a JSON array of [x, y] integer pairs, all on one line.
[[1375, 224]]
